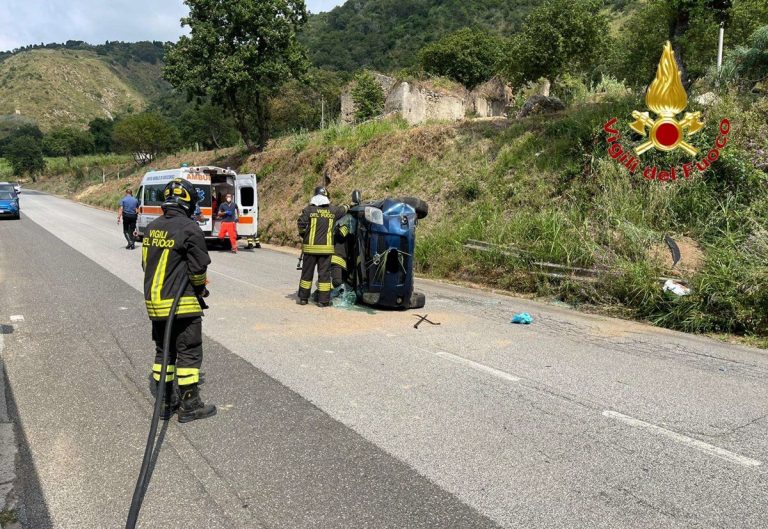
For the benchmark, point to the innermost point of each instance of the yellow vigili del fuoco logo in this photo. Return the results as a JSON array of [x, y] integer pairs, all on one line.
[[666, 98]]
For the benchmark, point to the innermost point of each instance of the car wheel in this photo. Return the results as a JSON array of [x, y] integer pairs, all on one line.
[[418, 300], [421, 207]]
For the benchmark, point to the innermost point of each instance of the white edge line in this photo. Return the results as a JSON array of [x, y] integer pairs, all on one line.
[[685, 440], [478, 367]]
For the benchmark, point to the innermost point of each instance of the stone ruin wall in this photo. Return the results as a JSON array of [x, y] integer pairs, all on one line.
[[418, 103]]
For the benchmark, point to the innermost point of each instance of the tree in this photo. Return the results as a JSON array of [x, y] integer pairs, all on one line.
[[302, 105], [9, 130], [208, 125], [25, 155], [101, 130], [691, 25], [469, 56], [368, 96], [239, 53], [560, 36], [145, 136], [67, 142]]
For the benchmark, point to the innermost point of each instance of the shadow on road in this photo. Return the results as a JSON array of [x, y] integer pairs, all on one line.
[[32, 510], [154, 457]]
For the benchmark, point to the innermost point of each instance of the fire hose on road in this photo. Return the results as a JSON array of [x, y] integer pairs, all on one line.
[[143, 482]]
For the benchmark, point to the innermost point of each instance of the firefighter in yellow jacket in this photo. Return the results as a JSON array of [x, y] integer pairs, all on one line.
[[316, 225], [174, 247]]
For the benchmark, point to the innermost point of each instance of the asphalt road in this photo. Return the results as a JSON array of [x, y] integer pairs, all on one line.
[[354, 419]]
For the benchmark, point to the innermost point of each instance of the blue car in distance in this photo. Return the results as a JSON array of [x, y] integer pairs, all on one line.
[[9, 204]]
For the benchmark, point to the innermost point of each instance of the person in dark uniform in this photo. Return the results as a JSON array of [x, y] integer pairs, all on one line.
[[174, 246], [128, 212], [343, 238], [315, 226]]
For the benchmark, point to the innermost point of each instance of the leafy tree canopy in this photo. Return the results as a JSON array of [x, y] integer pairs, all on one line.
[[469, 56], [693, 28], [67, 142], [145, 136], [387, 34], [25, 156], [101, 130], [301, 104], [239, 53], [560, 36]]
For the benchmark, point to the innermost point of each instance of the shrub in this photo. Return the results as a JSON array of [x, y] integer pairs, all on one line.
[[368, 96]]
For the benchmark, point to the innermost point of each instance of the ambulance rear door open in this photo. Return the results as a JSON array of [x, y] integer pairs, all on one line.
[[247, 199]]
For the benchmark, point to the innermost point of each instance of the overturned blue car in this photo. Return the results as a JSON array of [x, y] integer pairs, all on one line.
[[380, 251]]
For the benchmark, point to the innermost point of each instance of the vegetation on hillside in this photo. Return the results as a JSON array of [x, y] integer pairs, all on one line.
[[64, 88]]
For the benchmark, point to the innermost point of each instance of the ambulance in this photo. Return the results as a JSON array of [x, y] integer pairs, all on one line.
[[212, 184]]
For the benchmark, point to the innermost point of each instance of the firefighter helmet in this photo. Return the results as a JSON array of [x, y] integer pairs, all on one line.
[[320, 190], [179, 192]]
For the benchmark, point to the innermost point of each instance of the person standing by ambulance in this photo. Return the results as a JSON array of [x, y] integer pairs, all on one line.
[[174, 247], [128, 212], [228, 213], [315, 226]]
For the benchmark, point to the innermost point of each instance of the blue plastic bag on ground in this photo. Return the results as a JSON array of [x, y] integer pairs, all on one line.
[[522, 318]]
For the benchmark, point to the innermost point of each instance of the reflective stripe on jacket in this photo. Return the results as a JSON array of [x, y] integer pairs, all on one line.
[[173, 246], [316, 228]]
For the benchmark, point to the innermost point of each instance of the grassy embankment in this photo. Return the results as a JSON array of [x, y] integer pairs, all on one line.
[[545, 187]]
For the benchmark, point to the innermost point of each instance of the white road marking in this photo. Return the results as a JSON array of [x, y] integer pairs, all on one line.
[[243, 282], [17, 318], [478, 367], [685, 440]]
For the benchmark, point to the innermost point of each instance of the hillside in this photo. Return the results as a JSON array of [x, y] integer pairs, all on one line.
[[70, 87], [387, 34]]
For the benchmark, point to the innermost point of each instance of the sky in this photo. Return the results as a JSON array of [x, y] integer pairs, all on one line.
[[24, 22]]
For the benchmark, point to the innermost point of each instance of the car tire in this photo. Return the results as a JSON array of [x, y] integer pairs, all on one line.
[[418, 300], [421, 207]]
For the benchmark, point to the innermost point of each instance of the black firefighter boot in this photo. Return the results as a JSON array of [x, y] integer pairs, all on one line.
[[170, 400], [192, 406]]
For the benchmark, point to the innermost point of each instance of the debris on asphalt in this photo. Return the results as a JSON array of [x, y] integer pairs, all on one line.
[[523, 318], [343, 297], [423, 319], [676, 288]]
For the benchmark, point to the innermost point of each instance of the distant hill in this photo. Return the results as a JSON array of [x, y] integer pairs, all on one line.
[[63, 86]]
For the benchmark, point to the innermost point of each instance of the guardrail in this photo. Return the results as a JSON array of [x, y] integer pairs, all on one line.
[[552, 270]]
